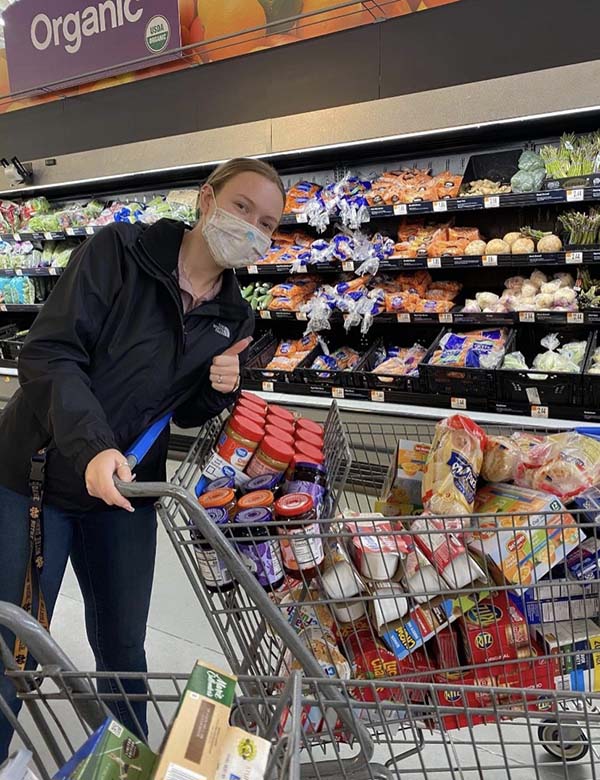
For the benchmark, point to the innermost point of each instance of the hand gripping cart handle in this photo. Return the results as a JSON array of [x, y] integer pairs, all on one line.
[[271, 614]]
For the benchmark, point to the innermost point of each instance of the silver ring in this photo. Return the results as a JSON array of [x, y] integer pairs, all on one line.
[[219, 379], [124, 464]]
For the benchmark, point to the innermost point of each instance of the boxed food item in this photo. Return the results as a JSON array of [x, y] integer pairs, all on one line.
[[106, 753], [577, 646], [378, 549], [200, 729], [244, 756], [404, 479], [522, 547], [421, 578], [583, 563], [549, 603], [589, 503], [494, 631]]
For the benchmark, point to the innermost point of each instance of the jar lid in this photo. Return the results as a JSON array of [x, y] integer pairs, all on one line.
[[279, 433], [246, 405], [310, 425], [279, 411], [252, 398], [276, 449], [246, 428], [313, 454], [294, 504], [263, 482], [303, 460], [256, 498], [222, 482], [309, 438], [218, 515], [217, 498], [258, 514], [250, 413], [279, 422]]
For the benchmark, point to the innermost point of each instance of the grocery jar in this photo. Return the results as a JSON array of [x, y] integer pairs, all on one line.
[[258, 498], [250, 406], [222, 482], [278, 422], [310, 478], [258, 547], [271, 457], [302, 552], [304, 424], [283, 414], [238, 441], [307, 437], [312, 454], [252, 414], [270, 482], [214, 572], [223, 498], [254, 399], [279, 433]]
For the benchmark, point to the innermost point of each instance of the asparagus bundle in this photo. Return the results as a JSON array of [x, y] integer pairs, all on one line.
[[582, 228]]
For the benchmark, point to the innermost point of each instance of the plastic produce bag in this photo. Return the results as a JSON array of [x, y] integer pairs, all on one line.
[[527, 181], [531, 161]]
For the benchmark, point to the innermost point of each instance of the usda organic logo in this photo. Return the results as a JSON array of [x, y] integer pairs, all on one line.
[[158, 33]]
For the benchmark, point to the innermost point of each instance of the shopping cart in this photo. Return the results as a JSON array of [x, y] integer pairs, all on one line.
[[478, 716], [63, 706]]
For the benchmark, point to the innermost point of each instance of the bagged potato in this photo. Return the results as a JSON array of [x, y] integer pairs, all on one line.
[[453, 467]]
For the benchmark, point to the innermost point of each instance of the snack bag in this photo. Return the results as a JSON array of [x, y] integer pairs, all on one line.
[[453, 467]]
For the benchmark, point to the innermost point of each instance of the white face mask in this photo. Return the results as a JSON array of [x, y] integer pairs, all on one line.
[[233, 243]]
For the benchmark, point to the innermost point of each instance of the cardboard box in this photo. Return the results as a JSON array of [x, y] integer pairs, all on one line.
[[524, 546], [494, 631], [577, 647], [200, 729], [554, 602], [243, 756], [589, 502], [583, 563], [402, 486], [106, 754]]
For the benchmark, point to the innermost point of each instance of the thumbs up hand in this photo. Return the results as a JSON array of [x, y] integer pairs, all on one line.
[[225, 368]]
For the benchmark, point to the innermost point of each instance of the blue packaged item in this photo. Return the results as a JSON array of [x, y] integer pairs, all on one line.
[[589, 502], [263, 482]]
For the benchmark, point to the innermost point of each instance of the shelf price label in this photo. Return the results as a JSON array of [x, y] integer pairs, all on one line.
[[489, 260], [348, 265], [446, 318], [301, 219], [574, 195], [403, 317], [267, 387], [526, 316], [301, 315], [575, 317], [52, 272], [3, 307], [539, 411], [90, 230], [48, 236], [400, 209], [378, 396], [434, 262], [458, 403], [302, 269], [573, 258], [440, 205], [70, 231], [337, 392], [18, 272], [17, 236], [491, 202], [265, 315], [252, 269]]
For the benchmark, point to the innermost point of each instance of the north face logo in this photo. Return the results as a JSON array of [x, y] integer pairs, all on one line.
[[222, 330]]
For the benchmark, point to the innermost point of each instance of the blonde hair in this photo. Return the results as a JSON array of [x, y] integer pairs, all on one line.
[[226, 171]]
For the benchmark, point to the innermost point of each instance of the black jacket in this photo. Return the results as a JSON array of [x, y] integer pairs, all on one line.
[[110, 352]]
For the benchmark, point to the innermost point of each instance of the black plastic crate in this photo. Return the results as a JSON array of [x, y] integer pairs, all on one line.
[[255, 372], [8, 331], [318, 377], [10, 348], [459, 382], [533, 386], [405, 337], [591, 382]]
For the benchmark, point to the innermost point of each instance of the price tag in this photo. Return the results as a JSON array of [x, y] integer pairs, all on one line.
[[348, 265], [70, 231], [526, 316], [574, 195], [48, 236], [378, 396], [400, 209], [302, 269], [573, 258], [17, 236], [3, 307], [90, 230], [267, 387], [575, 317], [18, 272], [302, 219], [446, 318], [403, 317], [301, 315], [252, 269], [491, 202], [434, 262], [337, 392], [539, 411], [53, 272], [440, 205], [458, 403], [265, 315], [489, 260]]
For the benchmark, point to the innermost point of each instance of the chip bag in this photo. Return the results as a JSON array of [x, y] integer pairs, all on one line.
[[453, 466]]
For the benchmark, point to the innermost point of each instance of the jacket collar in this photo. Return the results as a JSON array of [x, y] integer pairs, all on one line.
[[161, 243]]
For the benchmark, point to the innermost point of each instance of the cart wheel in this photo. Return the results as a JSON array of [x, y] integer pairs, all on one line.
[[566, 743]]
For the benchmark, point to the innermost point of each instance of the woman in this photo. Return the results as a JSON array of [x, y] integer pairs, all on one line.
[[145, 320]]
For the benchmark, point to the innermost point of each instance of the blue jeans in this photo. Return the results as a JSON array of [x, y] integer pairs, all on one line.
[[113, 555]]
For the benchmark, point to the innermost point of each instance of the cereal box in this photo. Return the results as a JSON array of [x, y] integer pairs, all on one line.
[[402, 487], [577, 646], [536, 534]]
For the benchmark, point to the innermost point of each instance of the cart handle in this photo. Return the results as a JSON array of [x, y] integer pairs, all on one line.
[[589, 430], [144, 443]]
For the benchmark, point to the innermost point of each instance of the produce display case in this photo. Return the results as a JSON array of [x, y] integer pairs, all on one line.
[[396, 383]]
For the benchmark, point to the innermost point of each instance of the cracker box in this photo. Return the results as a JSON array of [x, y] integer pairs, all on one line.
[[494, 631], [537, 533], [402, 487], [577, 646], [110, 751], [201, 726]]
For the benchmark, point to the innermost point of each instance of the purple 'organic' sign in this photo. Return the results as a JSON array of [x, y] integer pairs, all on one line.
[[51, 40]]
